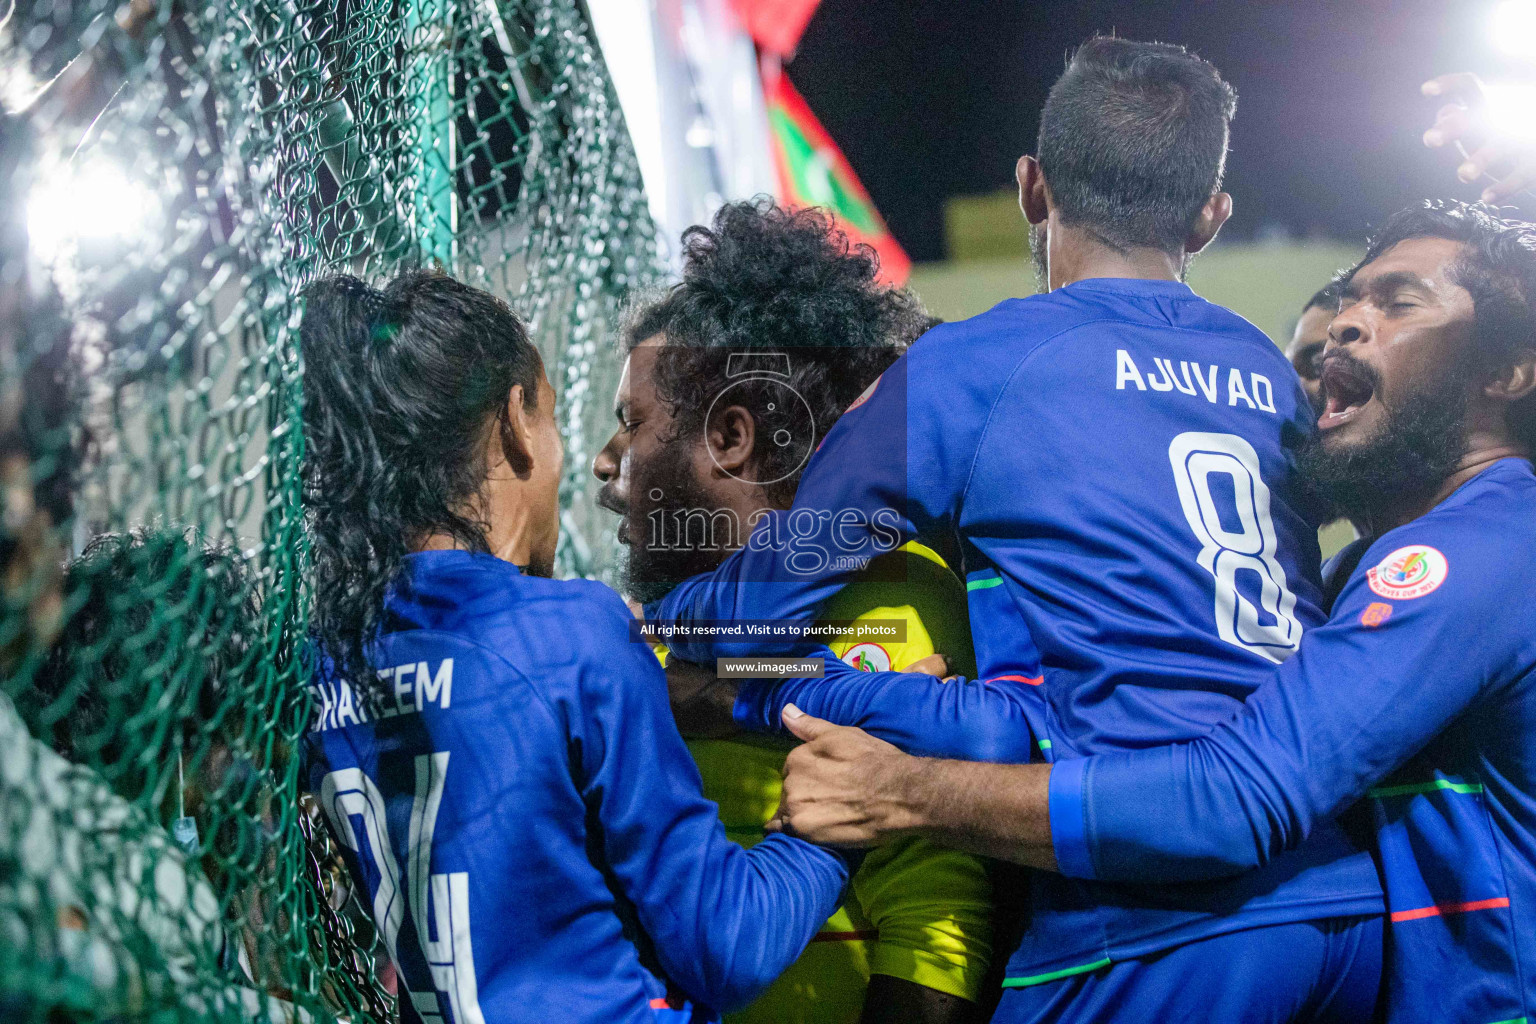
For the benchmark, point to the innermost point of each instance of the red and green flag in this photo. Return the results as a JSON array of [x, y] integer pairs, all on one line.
[[812, 171]]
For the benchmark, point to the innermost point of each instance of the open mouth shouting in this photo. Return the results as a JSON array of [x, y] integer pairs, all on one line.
[[1348, 385]]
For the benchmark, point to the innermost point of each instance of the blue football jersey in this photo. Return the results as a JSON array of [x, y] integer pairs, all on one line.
[[1419, 693], [526, 823], [1112, 463]]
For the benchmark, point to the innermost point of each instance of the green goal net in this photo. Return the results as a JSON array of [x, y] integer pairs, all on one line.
[[172, 172]]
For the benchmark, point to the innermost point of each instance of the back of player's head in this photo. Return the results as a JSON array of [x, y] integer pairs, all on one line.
[[1497, 266], [763, 279], [1133, 140], [401, 384]]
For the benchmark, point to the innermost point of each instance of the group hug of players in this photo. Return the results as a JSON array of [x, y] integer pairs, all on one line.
[[1174, 770]]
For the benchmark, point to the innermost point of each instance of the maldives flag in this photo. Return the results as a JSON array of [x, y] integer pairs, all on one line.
[[813, 172]]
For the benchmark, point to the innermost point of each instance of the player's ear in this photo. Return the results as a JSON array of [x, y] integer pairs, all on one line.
[[1034, 198], [1212, 216], [1516, 381], [515, 433], [731, 435]]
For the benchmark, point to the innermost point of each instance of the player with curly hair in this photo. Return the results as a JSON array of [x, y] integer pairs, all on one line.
[[731, 378]]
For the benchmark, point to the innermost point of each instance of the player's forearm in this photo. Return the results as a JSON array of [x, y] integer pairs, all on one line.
[[1020, 813], [730, 921], [1339, 716], [1188, 812], [921, 714], [994, 810], [783, 893], [724, 921]]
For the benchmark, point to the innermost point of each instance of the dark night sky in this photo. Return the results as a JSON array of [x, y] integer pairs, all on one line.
[[933, 98]]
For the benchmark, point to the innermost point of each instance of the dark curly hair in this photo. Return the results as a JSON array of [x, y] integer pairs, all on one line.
[[1498, 267], [401, 385], [763, 278]]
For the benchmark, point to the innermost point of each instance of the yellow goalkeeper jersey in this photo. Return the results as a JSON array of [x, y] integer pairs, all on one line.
[[913, 910]]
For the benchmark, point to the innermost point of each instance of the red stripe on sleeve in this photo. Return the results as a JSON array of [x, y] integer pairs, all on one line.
[[1441, 909]]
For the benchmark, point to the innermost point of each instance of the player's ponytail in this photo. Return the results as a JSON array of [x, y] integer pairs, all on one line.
[[400, 385]]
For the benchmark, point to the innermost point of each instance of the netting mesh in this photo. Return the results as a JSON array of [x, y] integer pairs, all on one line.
[[171, 173]]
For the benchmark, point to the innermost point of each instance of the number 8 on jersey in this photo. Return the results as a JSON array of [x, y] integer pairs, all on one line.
[[1196, 457]]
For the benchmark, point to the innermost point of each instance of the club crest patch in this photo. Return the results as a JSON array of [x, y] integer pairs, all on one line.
[[868, 657], [1409, 572]]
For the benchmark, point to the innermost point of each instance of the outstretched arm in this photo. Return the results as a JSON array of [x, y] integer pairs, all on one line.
[[1349, 707], [704, 704], [724, 921], [1364, 693]]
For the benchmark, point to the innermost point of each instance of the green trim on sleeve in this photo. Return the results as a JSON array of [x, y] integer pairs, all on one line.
[[1065, 972], [1430, 787]]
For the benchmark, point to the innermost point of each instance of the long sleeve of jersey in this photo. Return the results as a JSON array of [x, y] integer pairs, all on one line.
[[853, 502], [1396, 663], [723, 921], [923, 715]]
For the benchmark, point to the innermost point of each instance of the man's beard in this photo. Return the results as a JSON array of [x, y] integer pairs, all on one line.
[[654, 561], [1421, 441]]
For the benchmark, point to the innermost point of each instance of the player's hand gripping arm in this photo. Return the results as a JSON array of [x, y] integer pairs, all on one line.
[[844, 787], [850, 788], [965, 718], [1340, 715]]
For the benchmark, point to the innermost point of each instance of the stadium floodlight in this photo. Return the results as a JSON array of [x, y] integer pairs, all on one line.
[[1510, 109], [90, 202], [1514, 28]]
